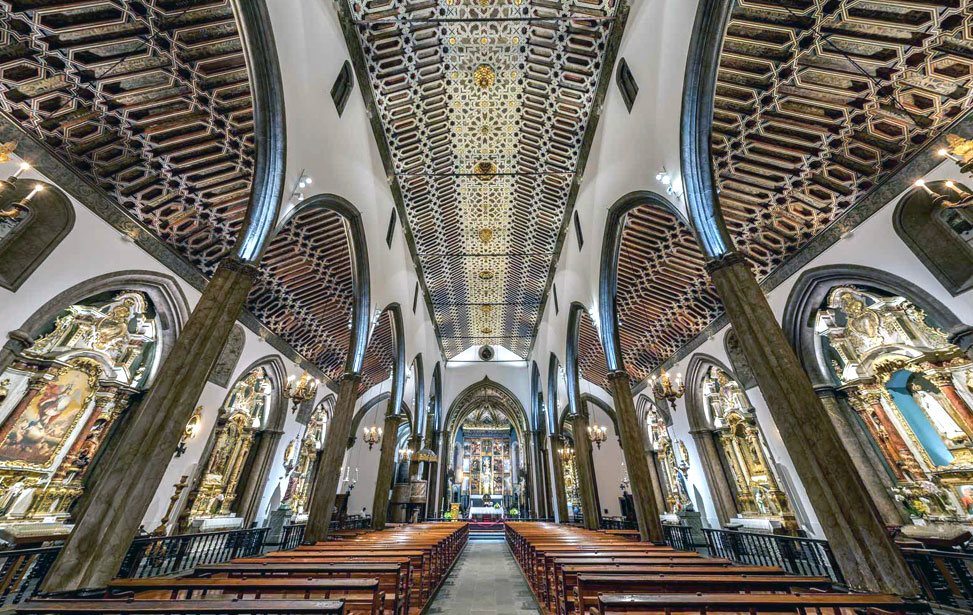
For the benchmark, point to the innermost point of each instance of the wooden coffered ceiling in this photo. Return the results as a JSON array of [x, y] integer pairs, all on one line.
[[817, 102], [482, 111], [379, 354], [150, 101]]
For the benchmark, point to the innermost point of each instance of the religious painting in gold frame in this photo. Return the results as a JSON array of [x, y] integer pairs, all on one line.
[[34, 437]]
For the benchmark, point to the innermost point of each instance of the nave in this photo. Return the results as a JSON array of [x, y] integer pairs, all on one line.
[[435, 568]]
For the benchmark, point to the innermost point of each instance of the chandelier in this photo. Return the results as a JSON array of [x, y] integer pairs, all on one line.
[[597, 434], [302, 390], [373, 435], [566, 453], [666, 388], [405, 454]]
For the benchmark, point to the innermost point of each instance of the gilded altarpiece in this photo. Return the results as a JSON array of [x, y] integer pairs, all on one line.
[[300, 460], [744, 453], [61, 397], [242, 416], [673, 466], [911, 389]]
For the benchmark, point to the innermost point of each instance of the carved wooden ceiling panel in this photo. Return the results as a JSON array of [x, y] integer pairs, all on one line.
[[483, 106], [150, 100], [379, 354], [305, 291], [818, 101], [664, 296], [592, 365]]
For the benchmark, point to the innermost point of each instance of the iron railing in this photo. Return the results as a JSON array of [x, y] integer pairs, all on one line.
[[292, 536], [945, 577], [617, 524], [679, 537], [22, 570], [154, 557], [804, 556]]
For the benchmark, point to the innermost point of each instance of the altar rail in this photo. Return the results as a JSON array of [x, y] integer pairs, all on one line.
[[22, 570], [292, 535], [804, 556]]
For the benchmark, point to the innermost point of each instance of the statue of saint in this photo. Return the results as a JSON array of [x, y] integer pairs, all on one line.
[[936, 413]]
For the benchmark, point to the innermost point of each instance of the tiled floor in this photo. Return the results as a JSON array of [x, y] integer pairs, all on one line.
[[485, 581]]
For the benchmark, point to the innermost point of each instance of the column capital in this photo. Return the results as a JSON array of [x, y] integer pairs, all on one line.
[[728, 259], [618, 374], [355, 376], [234, 264]]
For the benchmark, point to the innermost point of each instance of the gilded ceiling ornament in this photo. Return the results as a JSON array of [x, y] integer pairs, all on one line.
[[484, 76], [485, 274], [486, 309], [485, 170], [960, 147], [486, 234], [6, 149], [486, 330]]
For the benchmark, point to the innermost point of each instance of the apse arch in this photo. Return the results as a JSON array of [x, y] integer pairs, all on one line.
[[48, 220], [608, 276], [162, 290], [918, 223], [811, 290], [465, 403]]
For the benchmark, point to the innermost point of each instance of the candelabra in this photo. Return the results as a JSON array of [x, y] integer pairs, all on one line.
[[372, 436], [405, 454], [666, 388], [301, 391], [566, 453], [597, 434], [10, 206]]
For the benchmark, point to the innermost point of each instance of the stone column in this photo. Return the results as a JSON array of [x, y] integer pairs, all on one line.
[[546, 493], [633, 447], [586, 472], [432, 499], [415, 443], [652, 461], [118, 500], [719, 486], [537, 492], [851, 522], [386, 466], [871, 469], [324, 492], [557, 479]]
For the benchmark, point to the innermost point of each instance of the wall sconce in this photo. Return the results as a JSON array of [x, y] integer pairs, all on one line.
[[13, 209], [665, 178], [405, 454], [954, 195], [297, 193], [192, 429], [372, 436], [597, 434], [566, 453]]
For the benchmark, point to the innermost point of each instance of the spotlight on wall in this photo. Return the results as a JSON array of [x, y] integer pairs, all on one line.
[[665, 178]]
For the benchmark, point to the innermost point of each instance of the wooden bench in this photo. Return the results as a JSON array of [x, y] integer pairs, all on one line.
[[567, 575], [589, 586], [393, 577], [181, 607], [361, 596], [614, 604]]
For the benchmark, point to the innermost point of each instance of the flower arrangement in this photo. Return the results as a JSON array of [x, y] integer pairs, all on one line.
[[514, 512]]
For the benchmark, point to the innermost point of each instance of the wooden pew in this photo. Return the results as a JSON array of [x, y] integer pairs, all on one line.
[[837, 603], [567, 575], [393, 577], [590, 586], [181, 607], [361, 596]]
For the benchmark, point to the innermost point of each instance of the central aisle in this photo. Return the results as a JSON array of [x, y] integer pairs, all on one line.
[[485, 581]]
